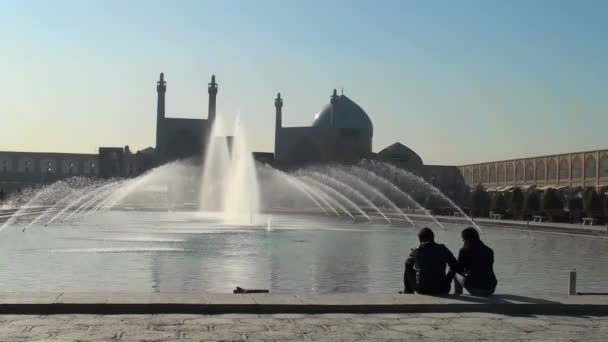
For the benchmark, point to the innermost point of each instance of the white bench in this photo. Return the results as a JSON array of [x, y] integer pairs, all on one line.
[[496, 217], [589, 220], [537, 218]]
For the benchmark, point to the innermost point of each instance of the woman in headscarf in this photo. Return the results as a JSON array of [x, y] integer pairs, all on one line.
[[475, 266]]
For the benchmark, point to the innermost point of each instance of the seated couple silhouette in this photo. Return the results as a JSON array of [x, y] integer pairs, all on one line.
[[425, 268]]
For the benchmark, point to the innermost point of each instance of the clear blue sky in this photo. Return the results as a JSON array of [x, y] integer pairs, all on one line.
[[457, 81]]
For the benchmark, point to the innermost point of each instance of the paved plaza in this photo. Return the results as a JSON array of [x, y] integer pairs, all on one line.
[[302, 327]]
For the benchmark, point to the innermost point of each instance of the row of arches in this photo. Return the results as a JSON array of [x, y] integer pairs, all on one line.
[[536, 170], [30, 165]]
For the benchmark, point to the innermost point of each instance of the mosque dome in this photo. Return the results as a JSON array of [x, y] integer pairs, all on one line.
[[346, 114], [400, 153]]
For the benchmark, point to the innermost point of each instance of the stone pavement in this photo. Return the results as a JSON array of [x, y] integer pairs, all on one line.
[[477, 327]]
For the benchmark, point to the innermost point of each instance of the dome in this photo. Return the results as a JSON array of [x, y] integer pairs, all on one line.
[[398, 152], [346, 114]]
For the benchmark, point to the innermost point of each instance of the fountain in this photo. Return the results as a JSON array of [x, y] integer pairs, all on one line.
[[187, 206], [216, 163], [230, 184], [229, 189]]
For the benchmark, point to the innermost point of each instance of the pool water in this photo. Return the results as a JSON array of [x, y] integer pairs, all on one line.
[[145, 251]]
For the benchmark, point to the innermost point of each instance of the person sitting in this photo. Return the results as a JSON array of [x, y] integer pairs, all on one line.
[[476, 265], [425, 268]]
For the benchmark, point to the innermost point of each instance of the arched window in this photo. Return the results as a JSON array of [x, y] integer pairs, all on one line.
[[604, 165], [519, 171], [552, 169], [501, 173], [577, 168], [492, 173], [509, 172], [564, 168], [484, 174], [476, 175], [590, 166], [529, 170], [540, 169]]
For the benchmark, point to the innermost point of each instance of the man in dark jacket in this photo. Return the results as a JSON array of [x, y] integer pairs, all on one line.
[[476, 265], [425, 268]]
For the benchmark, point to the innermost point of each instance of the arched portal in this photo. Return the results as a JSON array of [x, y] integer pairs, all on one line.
[[590, 167], [564, 168], [540, 169], [184, 144]]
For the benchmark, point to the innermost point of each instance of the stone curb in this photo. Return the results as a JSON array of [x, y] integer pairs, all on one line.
[[213, 309], [597, 231]]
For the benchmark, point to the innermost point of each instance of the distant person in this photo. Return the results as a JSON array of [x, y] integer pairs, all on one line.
[[425, 268], [476, 265], [2, 196], [19, 199]]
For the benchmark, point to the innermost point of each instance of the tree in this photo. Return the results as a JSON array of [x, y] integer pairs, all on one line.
[[499, 203], [433, 204], [517, 202], [531, 202], [575, 206], [592, 203], [605, 197], [480, 202], [551, 203]]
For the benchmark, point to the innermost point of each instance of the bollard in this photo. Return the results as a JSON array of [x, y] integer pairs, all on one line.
[[572, 283]]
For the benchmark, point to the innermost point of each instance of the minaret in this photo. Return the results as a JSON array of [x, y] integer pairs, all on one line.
[[278, 124], [334, 100], [161, 89], [212, 90]]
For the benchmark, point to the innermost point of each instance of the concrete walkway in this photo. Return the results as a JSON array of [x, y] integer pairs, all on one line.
[[204, 303]]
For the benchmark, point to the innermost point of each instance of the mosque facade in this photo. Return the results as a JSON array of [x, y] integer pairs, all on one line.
[[179, 138], [341, 132]]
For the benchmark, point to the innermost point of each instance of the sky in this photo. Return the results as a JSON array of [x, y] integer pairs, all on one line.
[[456, 81]]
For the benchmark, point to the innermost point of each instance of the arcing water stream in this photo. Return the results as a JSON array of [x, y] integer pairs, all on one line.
[[230, 187]]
